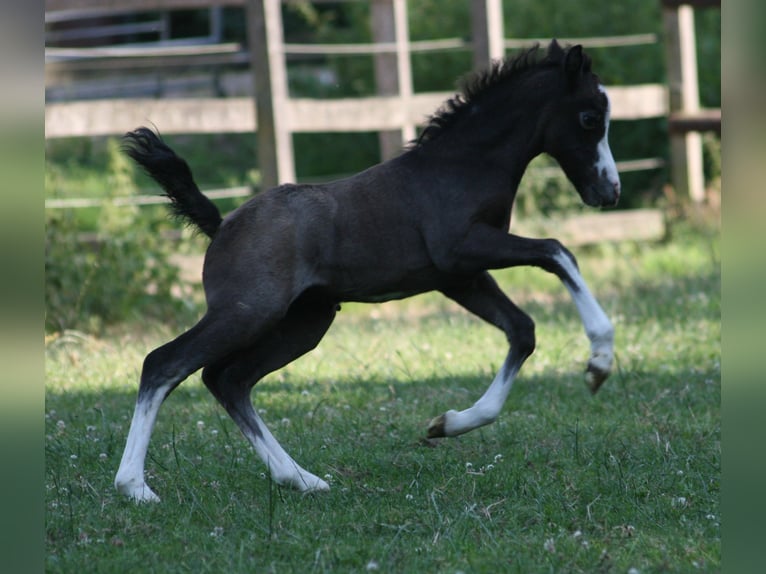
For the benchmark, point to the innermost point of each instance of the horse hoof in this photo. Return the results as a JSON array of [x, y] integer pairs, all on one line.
[[139, 494], [436, 427], [594, 378], [315, 489]]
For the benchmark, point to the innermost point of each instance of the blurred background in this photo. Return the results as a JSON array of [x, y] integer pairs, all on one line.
[[586, 485], [196, 68]]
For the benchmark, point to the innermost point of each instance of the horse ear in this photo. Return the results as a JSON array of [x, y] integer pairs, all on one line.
[[574, 63], [555, 51]]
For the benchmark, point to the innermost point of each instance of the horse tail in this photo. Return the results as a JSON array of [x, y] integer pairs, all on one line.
[[174, 176]]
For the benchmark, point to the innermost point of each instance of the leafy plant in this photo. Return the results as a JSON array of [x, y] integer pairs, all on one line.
[[119, 272]]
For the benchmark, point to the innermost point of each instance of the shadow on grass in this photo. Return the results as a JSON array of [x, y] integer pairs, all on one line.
[[635, 470], [633, 457]]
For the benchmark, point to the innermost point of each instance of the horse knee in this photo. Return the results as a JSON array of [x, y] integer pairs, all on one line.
[[523, 339]]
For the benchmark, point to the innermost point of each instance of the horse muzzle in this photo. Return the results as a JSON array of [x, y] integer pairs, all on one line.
[[603, 193]]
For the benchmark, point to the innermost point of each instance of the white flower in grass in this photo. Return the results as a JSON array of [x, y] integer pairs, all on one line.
[[469, 466], [409, 497], [633, 570], [102, 456], [217, 532], [549, 545], [498, 458], [372, 565], [679, 502], [200, 425]]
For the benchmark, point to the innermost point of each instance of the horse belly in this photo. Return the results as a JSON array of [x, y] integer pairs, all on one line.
[[378, 287]]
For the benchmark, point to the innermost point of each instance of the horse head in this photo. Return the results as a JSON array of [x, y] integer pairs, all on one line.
[[576, 128]]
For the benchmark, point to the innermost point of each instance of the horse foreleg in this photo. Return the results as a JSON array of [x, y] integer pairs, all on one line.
[[597, 326], [484, 298], [485, 247]]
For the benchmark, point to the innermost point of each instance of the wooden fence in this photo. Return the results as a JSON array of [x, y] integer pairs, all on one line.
[[394, 112], [686, 118]]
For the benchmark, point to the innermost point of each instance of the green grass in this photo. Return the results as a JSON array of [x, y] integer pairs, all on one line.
[[561, 482]]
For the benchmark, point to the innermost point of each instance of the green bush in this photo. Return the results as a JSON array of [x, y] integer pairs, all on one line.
[[120, 272]]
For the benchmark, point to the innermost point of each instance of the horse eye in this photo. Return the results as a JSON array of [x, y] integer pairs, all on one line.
[[590, 120]]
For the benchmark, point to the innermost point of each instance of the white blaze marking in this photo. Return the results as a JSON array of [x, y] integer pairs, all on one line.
[[605, 164]]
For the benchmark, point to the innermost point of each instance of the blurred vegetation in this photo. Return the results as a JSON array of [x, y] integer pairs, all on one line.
[[121, 272], [91, 285]]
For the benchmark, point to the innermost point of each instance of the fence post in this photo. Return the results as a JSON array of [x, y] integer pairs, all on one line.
[[487, 32], [683, 91], [386, 69], [265, 37], [403, 63]]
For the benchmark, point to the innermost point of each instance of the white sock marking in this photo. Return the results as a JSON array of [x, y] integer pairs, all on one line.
[[283, 469], [598, 328], [487, 408], [130, 476], [597, 325]]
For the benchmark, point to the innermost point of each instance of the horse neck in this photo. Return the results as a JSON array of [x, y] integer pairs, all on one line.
[[507, 140]]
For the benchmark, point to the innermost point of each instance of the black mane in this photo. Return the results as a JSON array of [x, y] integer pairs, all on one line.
[[476, 85]]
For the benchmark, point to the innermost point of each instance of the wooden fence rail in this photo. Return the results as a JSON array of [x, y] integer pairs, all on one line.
[[398, 112], [237, 115], [275, 116]]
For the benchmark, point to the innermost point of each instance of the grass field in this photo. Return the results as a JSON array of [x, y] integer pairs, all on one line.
[[626, 481]]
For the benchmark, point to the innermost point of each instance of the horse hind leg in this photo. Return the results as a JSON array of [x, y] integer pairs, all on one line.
[[163, 370], [232, 379], [235, 398]]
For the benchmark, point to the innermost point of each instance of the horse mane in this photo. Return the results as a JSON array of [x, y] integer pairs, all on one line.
[[476, 85]]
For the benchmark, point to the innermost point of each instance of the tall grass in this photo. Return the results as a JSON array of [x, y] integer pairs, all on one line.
[[624, 481]]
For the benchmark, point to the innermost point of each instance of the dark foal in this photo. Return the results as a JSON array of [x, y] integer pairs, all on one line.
[[434, 218]]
